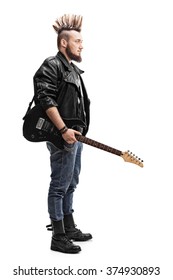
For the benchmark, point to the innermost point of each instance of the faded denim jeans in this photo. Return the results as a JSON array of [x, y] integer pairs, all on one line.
[[65, 169]]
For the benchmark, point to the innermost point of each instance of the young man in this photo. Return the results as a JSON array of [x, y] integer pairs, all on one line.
[[60, 90]]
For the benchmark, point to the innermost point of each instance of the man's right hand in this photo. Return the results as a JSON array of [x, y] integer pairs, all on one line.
[[69, 135]]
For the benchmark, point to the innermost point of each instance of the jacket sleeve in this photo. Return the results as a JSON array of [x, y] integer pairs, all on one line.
[[45, 84]]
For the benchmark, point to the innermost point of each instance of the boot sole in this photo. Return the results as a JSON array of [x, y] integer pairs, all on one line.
[[63, 251], [80, 240]]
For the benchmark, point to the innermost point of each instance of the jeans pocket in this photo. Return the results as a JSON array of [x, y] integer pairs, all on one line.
[[68, 147]]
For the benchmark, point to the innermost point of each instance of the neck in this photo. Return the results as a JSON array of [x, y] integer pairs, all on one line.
[[66, 56]]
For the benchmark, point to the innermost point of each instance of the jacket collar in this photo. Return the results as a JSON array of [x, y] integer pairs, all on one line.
[[67, 64]]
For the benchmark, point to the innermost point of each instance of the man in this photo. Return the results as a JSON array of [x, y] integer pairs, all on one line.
[[60, 90]]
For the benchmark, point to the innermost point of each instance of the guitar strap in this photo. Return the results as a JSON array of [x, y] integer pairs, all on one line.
[[29, 107]]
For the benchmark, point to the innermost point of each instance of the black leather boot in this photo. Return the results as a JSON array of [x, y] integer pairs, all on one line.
[[60, 241], [72, 232]]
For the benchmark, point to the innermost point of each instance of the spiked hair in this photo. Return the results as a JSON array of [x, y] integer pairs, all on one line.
[[68, 22]]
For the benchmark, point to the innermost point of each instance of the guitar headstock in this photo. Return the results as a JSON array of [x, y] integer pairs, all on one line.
[[130, 157]]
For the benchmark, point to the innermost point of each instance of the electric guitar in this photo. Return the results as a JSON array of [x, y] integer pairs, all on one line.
[[37, 127]]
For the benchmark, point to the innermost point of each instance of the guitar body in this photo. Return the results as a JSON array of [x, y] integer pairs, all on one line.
[[37, 127]]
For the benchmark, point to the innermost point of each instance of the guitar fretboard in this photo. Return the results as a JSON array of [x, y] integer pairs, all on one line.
[[98, 145]]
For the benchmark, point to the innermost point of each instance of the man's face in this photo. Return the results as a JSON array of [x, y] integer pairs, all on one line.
[[74, 46]]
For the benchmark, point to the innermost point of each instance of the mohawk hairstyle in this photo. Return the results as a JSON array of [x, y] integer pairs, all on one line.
[[68, 22]]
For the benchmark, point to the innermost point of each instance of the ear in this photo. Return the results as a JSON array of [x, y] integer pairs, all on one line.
[[63, 43]]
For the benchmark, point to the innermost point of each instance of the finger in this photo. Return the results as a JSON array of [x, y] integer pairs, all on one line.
[[77, 132], [71, 141]]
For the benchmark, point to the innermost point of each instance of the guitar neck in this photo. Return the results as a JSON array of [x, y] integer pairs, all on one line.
[[98, 145]]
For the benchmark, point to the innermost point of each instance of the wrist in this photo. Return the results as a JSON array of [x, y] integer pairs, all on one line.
[[63, 130]]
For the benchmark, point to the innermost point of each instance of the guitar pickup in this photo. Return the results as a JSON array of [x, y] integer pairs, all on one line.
[[40, 123], [43, 124]]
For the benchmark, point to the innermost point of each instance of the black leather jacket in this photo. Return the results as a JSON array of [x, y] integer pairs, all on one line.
[[56, 85]]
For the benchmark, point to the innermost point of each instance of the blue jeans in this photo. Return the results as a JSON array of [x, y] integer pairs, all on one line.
[[65, 170]]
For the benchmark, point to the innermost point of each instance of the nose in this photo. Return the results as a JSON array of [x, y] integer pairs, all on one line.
[[81, 46]]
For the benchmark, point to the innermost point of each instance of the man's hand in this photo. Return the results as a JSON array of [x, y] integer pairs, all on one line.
[[69, 136]]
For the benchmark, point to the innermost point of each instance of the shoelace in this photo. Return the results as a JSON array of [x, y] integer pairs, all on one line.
[[67, 240]]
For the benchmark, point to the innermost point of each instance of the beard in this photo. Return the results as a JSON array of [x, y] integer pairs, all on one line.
[[72, 56]]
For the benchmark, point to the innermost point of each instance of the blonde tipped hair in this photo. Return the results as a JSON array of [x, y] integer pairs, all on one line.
[[68, 22]]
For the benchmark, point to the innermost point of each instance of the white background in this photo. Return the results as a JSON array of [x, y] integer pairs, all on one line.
[[128, 63]]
